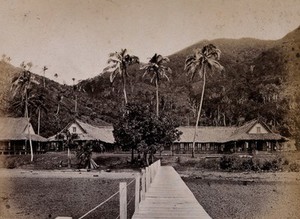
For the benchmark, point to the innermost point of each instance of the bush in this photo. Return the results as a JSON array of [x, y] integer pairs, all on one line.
[[226, 162], [286, 162], [211, 164], [10, 163], [294, 167], [236, 163]]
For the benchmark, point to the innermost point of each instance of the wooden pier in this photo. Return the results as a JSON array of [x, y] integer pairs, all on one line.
[[168, 196]]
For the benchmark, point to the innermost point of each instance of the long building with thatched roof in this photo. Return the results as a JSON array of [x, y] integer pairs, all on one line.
[[252, 136], [15, 134]]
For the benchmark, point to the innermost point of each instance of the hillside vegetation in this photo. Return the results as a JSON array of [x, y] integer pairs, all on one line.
[[261, 79]]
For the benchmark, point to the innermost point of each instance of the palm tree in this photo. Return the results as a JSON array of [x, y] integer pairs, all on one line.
[[29, 65], [39, 105], [75, 96], [118, 63], [198, 63], [21, 85], [158, 70], [59, 99], [44, 71]]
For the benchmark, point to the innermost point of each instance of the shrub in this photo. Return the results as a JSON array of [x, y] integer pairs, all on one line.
[[286, 162], [236, 163], [226, 162], [247, 164], [267, 165], [10, 163], [294, 167], [210, 164]]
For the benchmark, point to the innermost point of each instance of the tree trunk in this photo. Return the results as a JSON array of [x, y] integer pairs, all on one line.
[[44, 79], [39, 120], [132, 155], [29, 135], [199, 113], [157, 98], [75, 104], [57, 109], [124, 88], [69, 158], [30, 142]]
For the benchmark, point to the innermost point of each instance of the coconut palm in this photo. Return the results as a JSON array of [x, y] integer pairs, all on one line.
[[198, 63], [38, 103], [75, 96], [59, 99], [21, 86], [118, 63], [157, 69], [44, 71], [29, 65]]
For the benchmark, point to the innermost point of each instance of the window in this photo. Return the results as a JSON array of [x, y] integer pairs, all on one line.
[[74, 129], [181, 145], [258, 129]]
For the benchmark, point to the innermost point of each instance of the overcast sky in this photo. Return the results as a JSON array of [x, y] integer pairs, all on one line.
[[74, 37]]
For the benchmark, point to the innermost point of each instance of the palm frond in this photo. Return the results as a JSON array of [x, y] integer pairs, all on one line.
[[153, 77], [113, 60], [166, 76], [123, 52], [113, 75], [144, 66], [110, 68], [214, 63]]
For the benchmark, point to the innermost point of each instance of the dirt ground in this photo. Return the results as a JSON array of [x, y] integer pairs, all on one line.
[[31, 194], [44, 190], [246, 195]]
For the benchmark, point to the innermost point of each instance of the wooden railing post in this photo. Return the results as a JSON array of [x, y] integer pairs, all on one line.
[[147, 179], [143, 185], [151, 173], [123, 200], [137, 192]]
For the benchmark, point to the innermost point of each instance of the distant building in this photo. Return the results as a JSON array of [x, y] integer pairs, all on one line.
[[252, 136], [101, 136], [15, 134]]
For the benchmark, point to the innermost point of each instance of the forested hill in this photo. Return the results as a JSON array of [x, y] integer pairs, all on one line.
[[260, 80]]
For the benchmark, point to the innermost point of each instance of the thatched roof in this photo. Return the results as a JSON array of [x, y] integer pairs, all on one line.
[[91, 132], [208, 134], [242, 133], [102, 133], [16, 129], [217, 134]]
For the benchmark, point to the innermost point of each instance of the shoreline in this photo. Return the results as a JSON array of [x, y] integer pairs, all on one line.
[[67, 173]]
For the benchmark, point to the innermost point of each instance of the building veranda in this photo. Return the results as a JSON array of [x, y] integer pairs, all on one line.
[[253, 136], [15, 134]]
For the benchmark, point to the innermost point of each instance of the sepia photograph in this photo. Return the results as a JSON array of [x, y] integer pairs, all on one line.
[[149, 109]]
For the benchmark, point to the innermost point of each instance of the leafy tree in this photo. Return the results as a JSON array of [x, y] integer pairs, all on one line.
[[157, 69], [198, 63], [118, 63], [140, 129]]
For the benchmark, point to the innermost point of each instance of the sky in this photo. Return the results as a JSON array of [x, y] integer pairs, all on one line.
[[74, 37]]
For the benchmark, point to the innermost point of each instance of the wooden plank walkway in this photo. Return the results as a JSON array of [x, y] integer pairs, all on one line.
[[169, 197]]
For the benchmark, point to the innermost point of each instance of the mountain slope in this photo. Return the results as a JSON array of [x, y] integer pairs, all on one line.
[[261, 79]]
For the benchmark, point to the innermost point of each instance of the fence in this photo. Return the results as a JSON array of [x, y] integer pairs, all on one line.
[[142, 185]]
